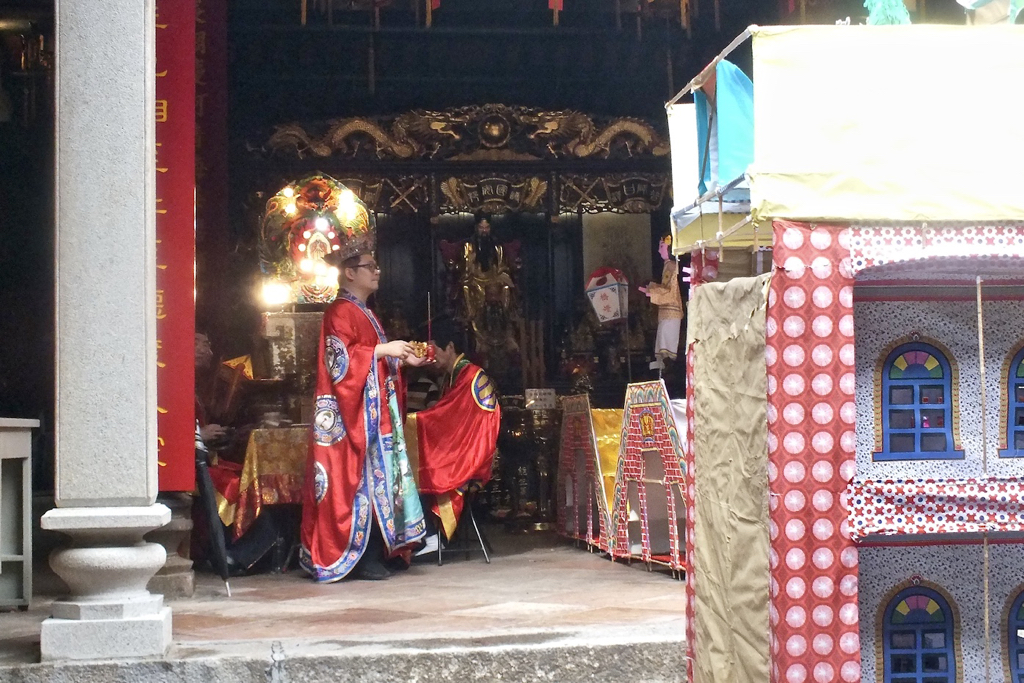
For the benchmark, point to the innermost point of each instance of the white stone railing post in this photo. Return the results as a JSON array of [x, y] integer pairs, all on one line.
[[106, 429]]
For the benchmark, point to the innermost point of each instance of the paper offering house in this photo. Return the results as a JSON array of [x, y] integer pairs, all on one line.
[[865, 397]]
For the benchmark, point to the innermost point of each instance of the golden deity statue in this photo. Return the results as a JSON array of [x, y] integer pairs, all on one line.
[[482, 289]]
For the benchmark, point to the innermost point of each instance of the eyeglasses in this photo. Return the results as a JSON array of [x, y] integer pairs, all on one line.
[[372, 267]]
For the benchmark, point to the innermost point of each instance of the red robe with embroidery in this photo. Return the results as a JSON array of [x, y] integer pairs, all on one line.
[[358, 470], [457, 438]]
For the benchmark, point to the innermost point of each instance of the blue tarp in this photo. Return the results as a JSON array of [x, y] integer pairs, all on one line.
[[730, 149], [724, 152]]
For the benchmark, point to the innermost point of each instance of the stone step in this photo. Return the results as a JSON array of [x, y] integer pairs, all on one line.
[[649, 653]]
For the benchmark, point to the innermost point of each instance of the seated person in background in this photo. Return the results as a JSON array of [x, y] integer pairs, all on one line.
[[270, 530], [421, 389], [454, 440]]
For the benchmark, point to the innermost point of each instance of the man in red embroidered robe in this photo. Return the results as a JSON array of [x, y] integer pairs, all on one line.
[[457, 437], [360, 503]]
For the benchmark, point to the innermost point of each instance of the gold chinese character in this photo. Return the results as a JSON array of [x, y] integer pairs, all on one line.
[[161, 111], [159, 169], [161, 74], [158, 209]]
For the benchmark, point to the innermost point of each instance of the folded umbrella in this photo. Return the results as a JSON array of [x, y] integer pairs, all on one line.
[[218, 552]]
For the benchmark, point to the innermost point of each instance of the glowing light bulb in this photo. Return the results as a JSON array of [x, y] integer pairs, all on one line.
[[322, 224], [276, 293], [288, 192], [302, 247], [331, 235], [305, 265], [333, 272], [306, 234], [320, 268], [336, 248], [289, 208], [347, 204]]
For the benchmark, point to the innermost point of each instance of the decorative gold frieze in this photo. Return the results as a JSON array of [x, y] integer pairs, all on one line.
[[476, 133], [494, 195], [623, 193]]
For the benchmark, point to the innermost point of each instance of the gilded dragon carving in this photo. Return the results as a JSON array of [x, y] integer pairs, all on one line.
[[571, 133], [410, 135], [463, 132], [293, 137]]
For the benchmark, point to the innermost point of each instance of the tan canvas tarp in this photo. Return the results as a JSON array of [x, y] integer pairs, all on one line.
[[887, 123], [727, 322]]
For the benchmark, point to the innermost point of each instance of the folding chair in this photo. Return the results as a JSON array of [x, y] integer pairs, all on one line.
[[461, 543]]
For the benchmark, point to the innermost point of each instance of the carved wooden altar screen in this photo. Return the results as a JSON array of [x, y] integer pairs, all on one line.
[[538, 170]]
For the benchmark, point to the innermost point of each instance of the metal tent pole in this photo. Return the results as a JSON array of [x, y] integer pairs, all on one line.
[[699, 80], [984, 469], [981, 370]]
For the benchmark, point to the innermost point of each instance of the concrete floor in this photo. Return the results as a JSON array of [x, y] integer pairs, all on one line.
[[542, 610]]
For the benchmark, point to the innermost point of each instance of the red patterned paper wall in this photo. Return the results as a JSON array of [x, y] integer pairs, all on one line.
[[689, 498], [578, 437], [811, 456], [648, 425]]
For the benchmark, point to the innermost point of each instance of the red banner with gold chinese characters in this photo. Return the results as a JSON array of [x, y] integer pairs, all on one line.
[[175, 236]]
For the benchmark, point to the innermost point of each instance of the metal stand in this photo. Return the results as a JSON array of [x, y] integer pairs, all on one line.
[[460, 543], [629, 351]]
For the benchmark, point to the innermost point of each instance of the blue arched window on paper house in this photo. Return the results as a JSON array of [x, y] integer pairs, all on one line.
[[1015, 639], [917, 405], [918, 638], [1015, 409]]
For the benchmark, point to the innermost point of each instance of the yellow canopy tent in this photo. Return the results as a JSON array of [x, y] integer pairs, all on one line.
[[829, 147]]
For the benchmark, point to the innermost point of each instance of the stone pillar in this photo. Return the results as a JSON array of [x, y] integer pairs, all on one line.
[[106, 465]]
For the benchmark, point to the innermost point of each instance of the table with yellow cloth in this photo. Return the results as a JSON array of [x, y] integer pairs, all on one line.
[[274, 471], [272, 474]]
